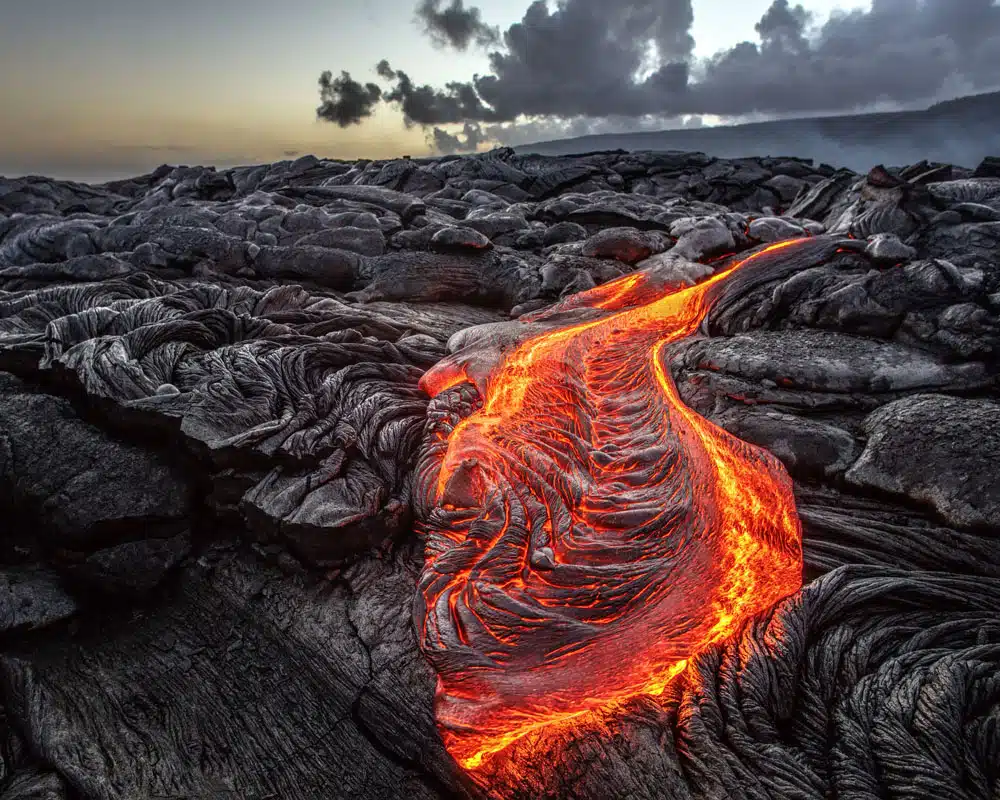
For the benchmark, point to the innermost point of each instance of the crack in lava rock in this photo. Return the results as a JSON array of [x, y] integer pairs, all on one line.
[[585, 532]]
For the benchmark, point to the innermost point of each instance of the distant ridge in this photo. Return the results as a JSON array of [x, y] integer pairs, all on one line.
[[961, 131]]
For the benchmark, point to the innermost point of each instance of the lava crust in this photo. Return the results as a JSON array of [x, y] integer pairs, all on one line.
[[585, 531], [212, 429]]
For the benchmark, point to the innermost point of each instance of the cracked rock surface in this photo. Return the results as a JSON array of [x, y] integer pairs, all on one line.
[[210, 419]]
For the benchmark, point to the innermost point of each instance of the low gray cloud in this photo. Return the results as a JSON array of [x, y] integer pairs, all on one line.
[[455, 25], [473, 134], [425, 105], [589, 60], [345, 101], [900, 51], [543, 129], [586, 58]]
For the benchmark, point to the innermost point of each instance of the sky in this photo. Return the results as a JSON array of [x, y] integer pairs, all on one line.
[[110, 88]]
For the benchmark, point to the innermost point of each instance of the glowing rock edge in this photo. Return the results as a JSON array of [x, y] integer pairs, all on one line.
[[586, 532]]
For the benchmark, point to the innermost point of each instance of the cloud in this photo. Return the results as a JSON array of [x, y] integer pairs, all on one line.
[[455, 26], [425, 105], [471, 137], [544, 129], [344, 100], [591, 60], [586, 58], [900, 51]]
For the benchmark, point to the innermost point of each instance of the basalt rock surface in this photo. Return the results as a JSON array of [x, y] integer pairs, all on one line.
[[212, 429]]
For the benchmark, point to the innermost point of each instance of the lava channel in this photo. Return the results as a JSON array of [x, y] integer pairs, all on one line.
[[586, 532]]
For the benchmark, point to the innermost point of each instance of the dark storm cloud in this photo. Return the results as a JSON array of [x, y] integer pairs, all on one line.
[[596, 59], [785, 22], [455, 25], [585, 57], [344, 100]]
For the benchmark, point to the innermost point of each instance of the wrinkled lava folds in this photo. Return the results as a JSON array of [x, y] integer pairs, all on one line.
[[586, 532]]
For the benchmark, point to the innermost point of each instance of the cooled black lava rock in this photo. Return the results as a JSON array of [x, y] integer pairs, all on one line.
[[210, 413]]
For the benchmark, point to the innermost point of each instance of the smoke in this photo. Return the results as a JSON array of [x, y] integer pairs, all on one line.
[[592, 60], [455, 26]]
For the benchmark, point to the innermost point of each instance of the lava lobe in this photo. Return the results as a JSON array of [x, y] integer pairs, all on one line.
[[586, 532]]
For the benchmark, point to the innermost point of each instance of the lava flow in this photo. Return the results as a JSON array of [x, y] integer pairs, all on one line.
[[586, 532]]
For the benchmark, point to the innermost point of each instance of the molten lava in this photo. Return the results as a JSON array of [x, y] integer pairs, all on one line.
[[585, 532]]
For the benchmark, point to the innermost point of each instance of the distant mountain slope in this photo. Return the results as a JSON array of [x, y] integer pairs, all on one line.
[[961, 131]]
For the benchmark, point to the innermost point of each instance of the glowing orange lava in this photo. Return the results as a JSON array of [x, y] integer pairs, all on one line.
[[586, 532]]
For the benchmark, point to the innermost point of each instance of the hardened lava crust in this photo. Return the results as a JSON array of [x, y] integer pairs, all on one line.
[[627, 474]]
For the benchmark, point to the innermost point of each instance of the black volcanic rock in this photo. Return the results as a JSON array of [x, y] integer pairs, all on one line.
[[32, 597], [624, 244], [937, 449], [83, 488], [211, 413], [325, 266], [989, 167], [460, 238]]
